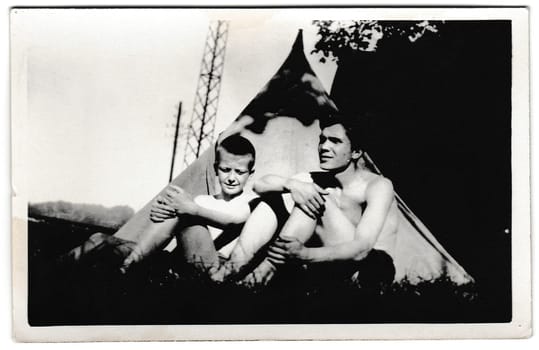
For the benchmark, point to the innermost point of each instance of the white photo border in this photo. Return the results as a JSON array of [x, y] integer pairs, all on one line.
[[519, 327]]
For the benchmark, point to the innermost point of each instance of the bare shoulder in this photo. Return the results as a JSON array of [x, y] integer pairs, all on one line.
[[380, 187], [381, 181]]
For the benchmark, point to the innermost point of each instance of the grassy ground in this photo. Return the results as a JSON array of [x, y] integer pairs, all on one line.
[[155, 293]]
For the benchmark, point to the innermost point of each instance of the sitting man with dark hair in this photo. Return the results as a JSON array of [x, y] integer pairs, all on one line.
[[349, 209]]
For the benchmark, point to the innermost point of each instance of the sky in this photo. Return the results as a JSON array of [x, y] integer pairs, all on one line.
[[103, 88]]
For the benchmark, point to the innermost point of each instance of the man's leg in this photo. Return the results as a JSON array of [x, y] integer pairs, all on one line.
[[257, 232], [298, 225]]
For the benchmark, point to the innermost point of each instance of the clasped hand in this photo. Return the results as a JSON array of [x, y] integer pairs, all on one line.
[[175, 201], [287, 249], [308, 197]]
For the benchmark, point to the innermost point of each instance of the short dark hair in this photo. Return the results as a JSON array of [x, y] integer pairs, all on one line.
[[353, 126], [237, 145]]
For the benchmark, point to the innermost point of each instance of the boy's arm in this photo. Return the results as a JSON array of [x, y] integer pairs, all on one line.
[[219, 214]]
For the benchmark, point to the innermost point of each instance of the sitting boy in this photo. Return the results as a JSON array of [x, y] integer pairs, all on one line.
[[214, 235], [200, 220]]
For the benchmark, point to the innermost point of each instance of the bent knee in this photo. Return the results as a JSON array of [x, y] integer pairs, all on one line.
[[263, 211]]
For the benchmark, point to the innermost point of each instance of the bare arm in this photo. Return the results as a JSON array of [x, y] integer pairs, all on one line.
[[379, 199], [223, 215], [365, 235], [176, 201], [272, 183], [308, 196]]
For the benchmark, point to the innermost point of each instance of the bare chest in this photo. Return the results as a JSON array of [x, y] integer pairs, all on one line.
[[349, 204], [341, 215]]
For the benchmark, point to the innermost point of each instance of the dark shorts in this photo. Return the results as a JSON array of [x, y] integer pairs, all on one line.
[[373, 272]]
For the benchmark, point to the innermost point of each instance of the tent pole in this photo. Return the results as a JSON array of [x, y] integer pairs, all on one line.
[[175, 144]]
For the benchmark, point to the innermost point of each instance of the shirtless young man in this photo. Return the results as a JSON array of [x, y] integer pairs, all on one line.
[[351, 209]]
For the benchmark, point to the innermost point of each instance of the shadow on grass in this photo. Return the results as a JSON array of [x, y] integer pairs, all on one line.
[[154, 292]]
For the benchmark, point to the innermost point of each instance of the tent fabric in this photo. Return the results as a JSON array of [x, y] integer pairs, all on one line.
[[282, 122], [419, 256]]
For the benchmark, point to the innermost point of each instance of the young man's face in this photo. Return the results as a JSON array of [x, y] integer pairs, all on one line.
[[233, 172], [335, 148]]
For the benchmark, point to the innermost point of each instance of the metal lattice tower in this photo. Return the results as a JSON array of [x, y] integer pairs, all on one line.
[[202, 124]]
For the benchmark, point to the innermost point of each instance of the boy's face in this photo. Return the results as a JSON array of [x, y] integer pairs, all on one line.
[[233, 172]]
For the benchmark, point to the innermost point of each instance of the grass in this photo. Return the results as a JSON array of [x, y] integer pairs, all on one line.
[[154, 292]]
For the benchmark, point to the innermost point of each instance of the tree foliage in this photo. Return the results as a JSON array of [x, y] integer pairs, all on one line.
[[341, 38]]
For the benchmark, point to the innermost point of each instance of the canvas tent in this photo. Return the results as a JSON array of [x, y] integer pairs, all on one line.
[[282, 122]]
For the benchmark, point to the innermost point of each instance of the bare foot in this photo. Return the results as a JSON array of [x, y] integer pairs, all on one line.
[[261, 275], [217, 272]]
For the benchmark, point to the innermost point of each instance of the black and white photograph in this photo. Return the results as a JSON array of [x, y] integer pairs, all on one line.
[[289, 169]]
